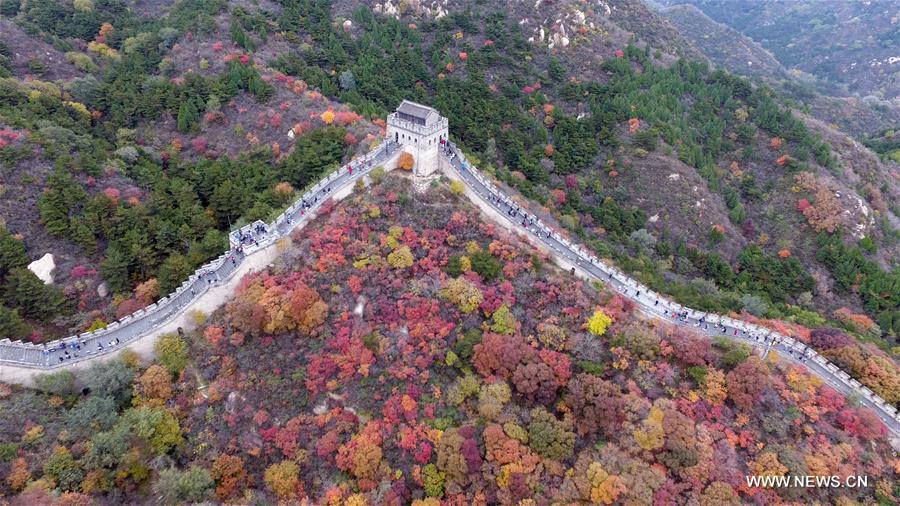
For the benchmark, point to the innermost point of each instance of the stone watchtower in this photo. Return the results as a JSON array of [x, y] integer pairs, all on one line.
[[419, 129]]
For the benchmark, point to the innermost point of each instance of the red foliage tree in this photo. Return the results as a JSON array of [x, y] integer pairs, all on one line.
[[214, 335], [199, 145], [862, 423], [596, 403], [559, 363], [499, 355], [747, 381], [826, 338], [286, 439], [535, 381], [690, 348]]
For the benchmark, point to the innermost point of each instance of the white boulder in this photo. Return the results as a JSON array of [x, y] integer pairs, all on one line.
[[43, 268]]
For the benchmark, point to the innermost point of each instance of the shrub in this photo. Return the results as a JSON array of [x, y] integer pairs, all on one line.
[[178, 487], [503, 321], [465, 343], [155, 425], [82, 61], [485, 265], [94, 414], [172, 352], [377, 174], [63, 469], [492, 398], [463, 294], [463, 388], [400, 258], [406, 161], [434, 481], [57, 383]]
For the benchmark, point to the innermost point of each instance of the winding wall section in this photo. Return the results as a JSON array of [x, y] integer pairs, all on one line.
[[244, 243], [257, 236]]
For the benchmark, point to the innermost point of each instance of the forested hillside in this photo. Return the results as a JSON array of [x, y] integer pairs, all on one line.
[[118, 167], [417, 355]]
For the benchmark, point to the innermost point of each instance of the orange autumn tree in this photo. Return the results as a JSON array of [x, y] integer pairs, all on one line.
[[155, 383], [229, 475], [18, 474], [268, 304], [406, 161], [767, 464], [105, 30], [361, 456], [714, 390], [827, 213]]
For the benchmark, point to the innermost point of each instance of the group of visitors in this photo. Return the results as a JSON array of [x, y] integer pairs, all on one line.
[[77, 348]]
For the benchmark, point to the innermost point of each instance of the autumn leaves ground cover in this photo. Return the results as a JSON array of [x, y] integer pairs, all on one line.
[[404, 350]]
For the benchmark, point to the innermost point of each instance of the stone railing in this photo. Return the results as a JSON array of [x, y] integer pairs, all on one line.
[[252, 238], [666, 306]]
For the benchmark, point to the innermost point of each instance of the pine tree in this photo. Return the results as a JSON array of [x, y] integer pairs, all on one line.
[[35, 299], [114, 270], [81, 234], [62, 197], [173, 271], [188, 116], [11, 324], [12, 252]]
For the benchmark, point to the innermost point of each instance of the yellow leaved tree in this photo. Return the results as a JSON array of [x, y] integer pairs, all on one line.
[[598, 323]]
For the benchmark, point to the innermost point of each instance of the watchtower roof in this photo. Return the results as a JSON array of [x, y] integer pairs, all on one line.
[[417, 113]]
